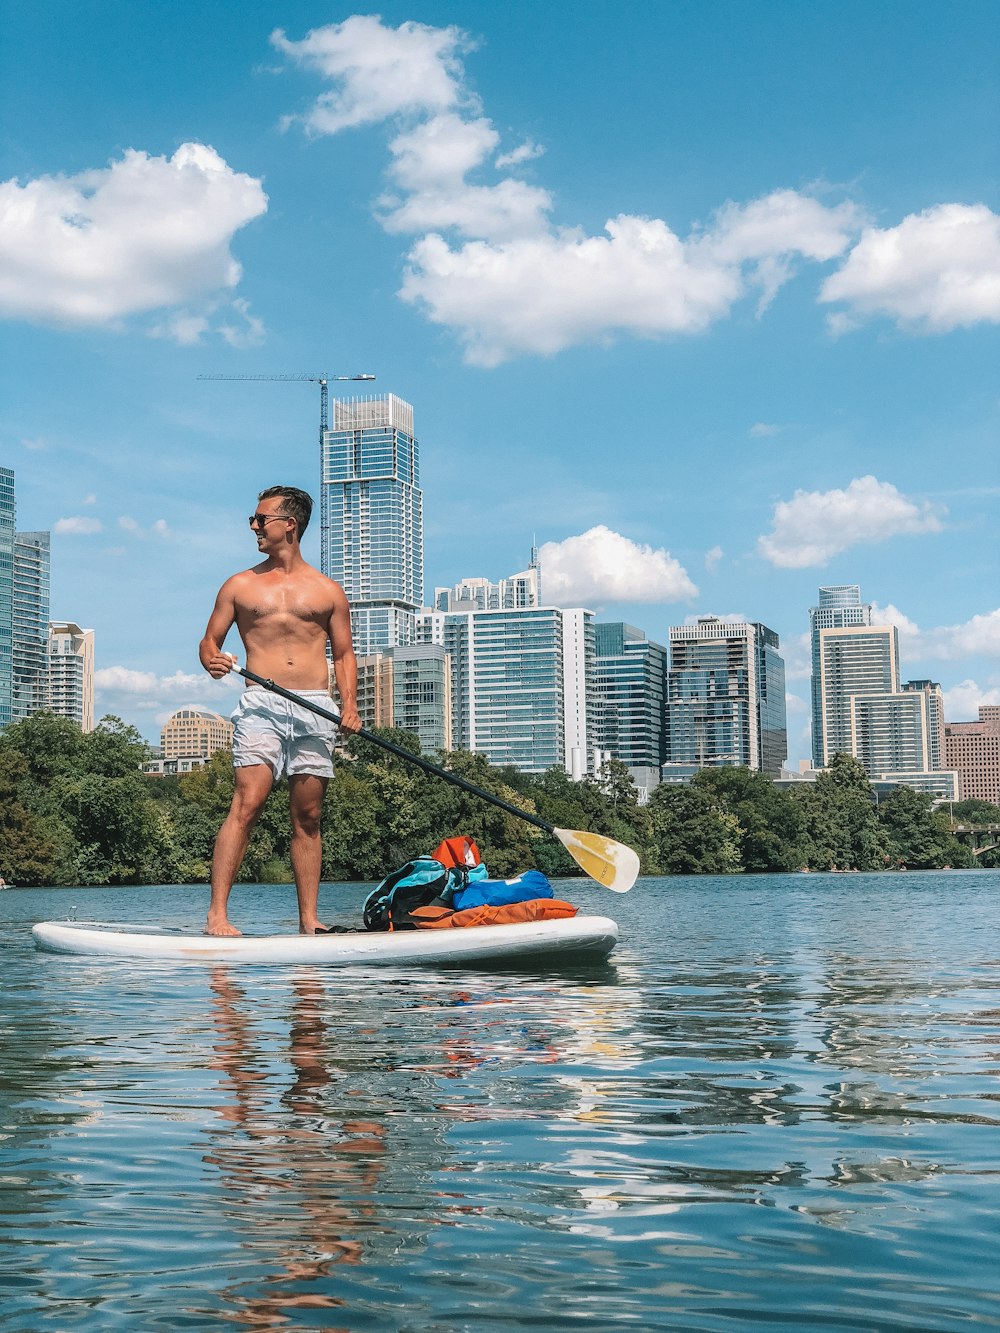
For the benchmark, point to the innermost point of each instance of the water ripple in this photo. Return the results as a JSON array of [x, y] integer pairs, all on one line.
[[773, 1108]]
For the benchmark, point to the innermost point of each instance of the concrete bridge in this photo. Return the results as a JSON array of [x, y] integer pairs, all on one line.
[[978, 838]]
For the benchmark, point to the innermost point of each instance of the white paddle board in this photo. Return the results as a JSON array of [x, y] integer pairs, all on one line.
[[595, 936]]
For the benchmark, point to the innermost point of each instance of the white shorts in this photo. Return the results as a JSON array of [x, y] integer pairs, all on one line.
[[269, 729]]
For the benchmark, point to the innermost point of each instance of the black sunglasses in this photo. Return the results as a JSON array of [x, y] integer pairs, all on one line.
[[258, 520]]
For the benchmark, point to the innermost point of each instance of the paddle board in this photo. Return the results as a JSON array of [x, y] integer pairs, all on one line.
[[593, 936]]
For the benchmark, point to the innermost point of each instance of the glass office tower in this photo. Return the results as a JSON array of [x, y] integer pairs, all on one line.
[[522, 688], [8, 524], [371, 515], [30, 664], [630, 684], [726, 696]]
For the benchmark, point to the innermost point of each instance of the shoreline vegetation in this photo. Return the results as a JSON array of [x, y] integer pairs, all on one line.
[[75, 809]]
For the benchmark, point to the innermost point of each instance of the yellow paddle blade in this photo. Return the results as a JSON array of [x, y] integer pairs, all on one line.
[[611, 863]]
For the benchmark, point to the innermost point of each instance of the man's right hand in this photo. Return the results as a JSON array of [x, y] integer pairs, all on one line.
[[219, 664]]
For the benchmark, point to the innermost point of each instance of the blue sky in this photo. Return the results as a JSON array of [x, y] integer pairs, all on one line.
[[703, 298]]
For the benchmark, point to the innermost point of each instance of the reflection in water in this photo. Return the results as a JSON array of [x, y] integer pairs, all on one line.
[[773, 1109], [306, 1169]]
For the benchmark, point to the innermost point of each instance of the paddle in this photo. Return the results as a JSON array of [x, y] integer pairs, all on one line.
[[611, 863]]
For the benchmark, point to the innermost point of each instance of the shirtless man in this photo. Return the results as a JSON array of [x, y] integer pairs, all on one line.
[[286, 612]]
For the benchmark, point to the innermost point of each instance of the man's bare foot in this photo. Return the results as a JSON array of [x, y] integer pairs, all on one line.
[[312, 928], [220, 927]]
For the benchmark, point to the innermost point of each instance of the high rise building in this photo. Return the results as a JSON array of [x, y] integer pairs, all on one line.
[[408, 687], [510, 594], [421, 694], [861, 708], [973, 749], [630, 674], [195, 733], [30, 656], [522, 684], [372, 536], [726, 696], [8, 526], [71, 672], [374, 697], [856, 660], [840, 607]]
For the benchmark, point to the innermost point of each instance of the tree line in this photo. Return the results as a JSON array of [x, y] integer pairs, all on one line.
[[76, 809]]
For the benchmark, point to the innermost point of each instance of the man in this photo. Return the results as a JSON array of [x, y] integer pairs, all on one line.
[[286, 612]]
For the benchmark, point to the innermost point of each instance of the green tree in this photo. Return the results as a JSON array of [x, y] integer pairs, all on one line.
[[841, 830], [974, 811], [28, 854], [770, 824], [918, 835], [691, 835]]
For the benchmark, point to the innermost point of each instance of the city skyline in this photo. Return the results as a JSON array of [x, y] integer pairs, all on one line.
[[708, 350]]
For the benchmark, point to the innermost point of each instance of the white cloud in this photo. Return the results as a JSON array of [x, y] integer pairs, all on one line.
[[36, 446], [379, 72], [430, 167], [248, 332], [962, 701], [488, 263], [763, 430], [979, 636], [142, 234], [545, 292], [909, 631], [90, 499], [712, 558], [936, 271], [77, 526], [795, 705], [514, 283], [119, 686], [527, 152], [603, 566], [132, 525], [727, 617], [815, 525], [182, 327]]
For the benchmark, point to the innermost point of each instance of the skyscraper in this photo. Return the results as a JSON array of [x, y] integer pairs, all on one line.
[[726, 696], [30, 674], [371, 515], [840, 606], [71, 672], [630, 686], [522, 684], [8, 524], [852, 661], [894, 729]]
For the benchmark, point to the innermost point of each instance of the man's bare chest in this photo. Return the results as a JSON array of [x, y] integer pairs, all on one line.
[[273, 606]]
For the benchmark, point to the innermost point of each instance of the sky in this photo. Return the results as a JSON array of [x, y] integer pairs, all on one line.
[[700, 298]]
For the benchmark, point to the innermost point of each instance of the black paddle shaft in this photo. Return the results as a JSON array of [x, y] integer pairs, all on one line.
[[400, 753]]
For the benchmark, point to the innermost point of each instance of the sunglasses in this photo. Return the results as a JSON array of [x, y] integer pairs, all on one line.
[[258, 520]]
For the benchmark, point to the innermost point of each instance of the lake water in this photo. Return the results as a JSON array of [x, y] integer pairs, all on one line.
[[776, 1107]]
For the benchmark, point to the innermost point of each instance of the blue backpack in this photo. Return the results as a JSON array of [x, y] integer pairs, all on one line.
[[419, 883]]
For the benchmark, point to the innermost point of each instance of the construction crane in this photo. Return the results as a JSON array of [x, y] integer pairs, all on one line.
[[322, 380]]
